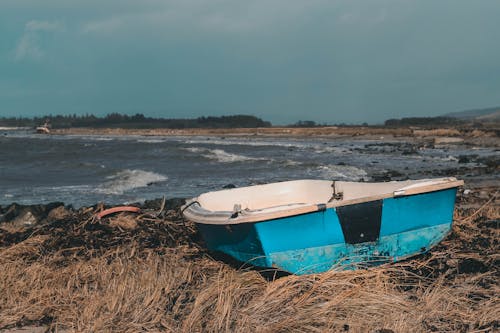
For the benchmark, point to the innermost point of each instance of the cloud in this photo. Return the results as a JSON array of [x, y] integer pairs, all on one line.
[[103, 26], [29, 45], [206, 16], [44, 26]]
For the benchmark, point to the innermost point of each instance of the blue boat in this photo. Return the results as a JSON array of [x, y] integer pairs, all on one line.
[[312, 226]]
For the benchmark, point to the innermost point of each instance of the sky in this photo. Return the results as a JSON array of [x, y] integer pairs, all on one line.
[[330, 61]]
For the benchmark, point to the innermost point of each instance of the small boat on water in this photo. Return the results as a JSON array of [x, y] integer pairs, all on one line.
[[311, 226], [43, 129]]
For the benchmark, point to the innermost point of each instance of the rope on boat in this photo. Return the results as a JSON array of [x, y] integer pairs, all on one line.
[[335, 195]]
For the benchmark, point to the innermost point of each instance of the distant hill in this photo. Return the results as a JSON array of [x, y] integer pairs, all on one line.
[[488, 114]]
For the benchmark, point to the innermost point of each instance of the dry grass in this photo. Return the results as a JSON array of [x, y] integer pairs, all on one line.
[[149, 274], [263, 131], [438, 132], [327, 131]]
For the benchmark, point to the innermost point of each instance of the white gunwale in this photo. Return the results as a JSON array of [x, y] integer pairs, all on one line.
[[268, 202]]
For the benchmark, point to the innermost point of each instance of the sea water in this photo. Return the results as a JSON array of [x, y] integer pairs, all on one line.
[[84, 170]]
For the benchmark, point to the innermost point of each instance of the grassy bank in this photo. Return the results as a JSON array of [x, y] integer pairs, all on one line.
[[149, 273], [293, 131]]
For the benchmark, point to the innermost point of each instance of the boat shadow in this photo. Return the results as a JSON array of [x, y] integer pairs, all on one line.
[[268, 273]]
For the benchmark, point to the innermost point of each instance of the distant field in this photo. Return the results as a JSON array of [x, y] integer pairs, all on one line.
[[290, 131]]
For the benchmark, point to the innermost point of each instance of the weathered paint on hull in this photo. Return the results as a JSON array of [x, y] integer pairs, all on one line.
[[395, 228], [346, 256]]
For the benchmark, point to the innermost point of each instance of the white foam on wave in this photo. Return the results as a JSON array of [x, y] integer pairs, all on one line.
[[222, 156], [316, 147], [194, 149], [71, 188], [225, 157], [7, 128], [101, 138], [341, 172], [327, 149], [150, 140], [291, 163], [449, 158], [127, 180], [229, 142]]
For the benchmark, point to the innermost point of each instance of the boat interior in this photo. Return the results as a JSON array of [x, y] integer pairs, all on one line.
[[299, 193]]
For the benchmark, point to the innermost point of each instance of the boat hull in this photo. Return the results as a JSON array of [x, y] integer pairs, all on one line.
[[339, 238]]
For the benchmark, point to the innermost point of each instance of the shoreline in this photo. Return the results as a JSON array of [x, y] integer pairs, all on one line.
[[483, 137], [289, 131], [35, 213], [16, 215]]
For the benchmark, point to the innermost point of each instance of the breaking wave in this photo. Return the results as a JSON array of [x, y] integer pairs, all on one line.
[[241, 142], [7, 128], [127, 180], [222, 156], [341, 172], [150, 140], [307, 146], [291, 163], [449, 158], [329, 149], [101, 138]]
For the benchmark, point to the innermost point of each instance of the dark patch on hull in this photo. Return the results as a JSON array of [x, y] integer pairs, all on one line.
[[239, 241], [361, 222]]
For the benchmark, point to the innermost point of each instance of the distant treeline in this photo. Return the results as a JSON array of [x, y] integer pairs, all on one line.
[[305, 123], [116, 120], [422, 121]]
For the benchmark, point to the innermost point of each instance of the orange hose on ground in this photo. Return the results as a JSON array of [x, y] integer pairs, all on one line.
[[118, 209]]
